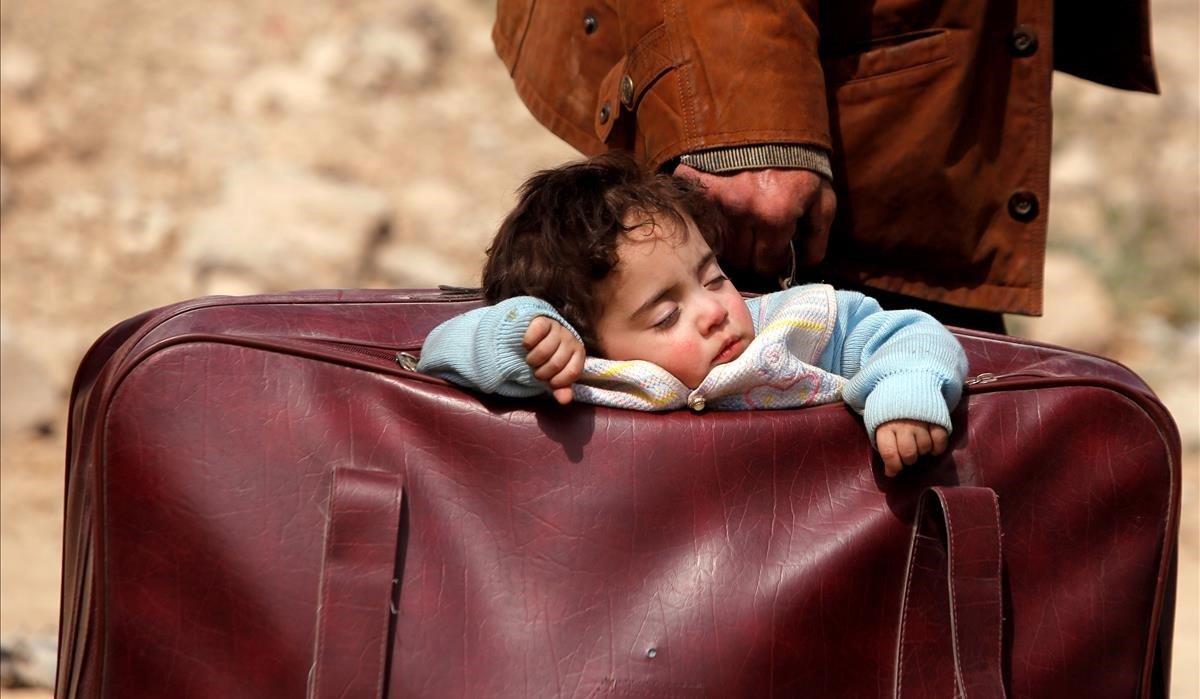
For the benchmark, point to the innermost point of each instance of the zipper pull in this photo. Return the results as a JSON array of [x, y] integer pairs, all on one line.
[[406, 361], [985, 377]]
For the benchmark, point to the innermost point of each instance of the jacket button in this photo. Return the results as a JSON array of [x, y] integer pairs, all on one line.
[[605, 113], [1023, 206], [626, 90], [1023, 41], [589, 23]]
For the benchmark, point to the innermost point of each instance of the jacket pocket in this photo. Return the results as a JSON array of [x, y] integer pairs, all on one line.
[[888, 56]]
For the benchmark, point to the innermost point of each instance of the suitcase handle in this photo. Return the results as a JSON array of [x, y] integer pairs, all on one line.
[[362, 528], [952, 604]]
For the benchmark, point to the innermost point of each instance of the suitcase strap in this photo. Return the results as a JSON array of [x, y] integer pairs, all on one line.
[[353, 617], [952, 607]]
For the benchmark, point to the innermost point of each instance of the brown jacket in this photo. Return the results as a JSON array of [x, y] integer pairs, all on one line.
[[937, 113]]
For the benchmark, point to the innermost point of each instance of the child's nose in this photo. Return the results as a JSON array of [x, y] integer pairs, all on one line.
[[712, 315]]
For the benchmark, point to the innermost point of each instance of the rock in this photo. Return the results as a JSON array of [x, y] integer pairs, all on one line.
[[20, 70], [389, 58], [145, 228], [401, 56], [287, 228], [1079, 311], [161, 142], [28, 662], [80, 207], [279, 89], [77, 129], [29, 400], [326, 56], [24, 137]]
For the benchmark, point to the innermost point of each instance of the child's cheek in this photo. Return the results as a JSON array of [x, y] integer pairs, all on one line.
[[683, 358]]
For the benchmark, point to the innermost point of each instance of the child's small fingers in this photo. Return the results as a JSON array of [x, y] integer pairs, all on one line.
[[570, 373], [563, 395], [941, 439], [543, 351], [924, 440], [556, 363], [906, 444], [885, 442], [538, 329]]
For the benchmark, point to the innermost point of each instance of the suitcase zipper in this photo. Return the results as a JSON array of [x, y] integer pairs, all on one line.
[[405, 360], [408, 361], [988, 377]]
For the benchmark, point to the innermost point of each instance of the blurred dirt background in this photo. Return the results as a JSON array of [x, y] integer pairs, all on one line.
[[153, 152]]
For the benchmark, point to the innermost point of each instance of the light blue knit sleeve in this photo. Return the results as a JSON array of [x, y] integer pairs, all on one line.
[[900, 364], [482, 349]]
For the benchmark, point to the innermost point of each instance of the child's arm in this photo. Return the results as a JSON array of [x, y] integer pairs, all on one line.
[[512, 349], [905, 374]]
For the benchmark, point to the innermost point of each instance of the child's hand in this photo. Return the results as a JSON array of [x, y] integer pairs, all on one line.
[[902, 442], [555, 355]]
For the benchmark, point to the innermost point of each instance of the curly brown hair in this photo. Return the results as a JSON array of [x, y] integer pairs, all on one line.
[[561, 238]]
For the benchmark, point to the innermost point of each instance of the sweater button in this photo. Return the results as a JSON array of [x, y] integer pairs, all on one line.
[[1023, 41], [696, 403], [605, 113], [1023, 206], [589, 23]]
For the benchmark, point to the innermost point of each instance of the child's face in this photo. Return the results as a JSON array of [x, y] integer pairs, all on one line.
[[668, 302]]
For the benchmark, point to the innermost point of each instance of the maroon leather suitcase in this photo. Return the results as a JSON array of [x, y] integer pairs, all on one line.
[[263, 501]]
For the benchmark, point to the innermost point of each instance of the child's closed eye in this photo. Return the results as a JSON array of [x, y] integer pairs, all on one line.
[[667, 320], [716, 282]]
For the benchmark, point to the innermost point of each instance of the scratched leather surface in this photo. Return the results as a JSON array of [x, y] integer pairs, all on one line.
[[580, 551]]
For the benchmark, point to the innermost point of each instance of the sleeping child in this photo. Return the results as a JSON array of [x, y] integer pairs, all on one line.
[[607, 290]]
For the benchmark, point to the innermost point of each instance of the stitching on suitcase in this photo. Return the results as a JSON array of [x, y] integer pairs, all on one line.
[[322, 613], [383, 645], [904, 602], [953, 597], [999, 585]]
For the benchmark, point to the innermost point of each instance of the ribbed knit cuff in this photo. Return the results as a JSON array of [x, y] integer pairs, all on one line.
[[506, 344], [907, 396], [760, 155]]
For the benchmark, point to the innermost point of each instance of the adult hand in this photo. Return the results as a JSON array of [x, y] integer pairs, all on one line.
[[763, 207]]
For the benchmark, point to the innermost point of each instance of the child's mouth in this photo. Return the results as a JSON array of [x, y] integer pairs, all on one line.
[[729, 352]]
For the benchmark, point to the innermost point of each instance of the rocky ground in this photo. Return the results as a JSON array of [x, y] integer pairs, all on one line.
[[151, 152]]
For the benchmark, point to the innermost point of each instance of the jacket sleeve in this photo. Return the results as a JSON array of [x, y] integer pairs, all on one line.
[[717, 74], [482, 349], [666, 78], [900, 364]]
